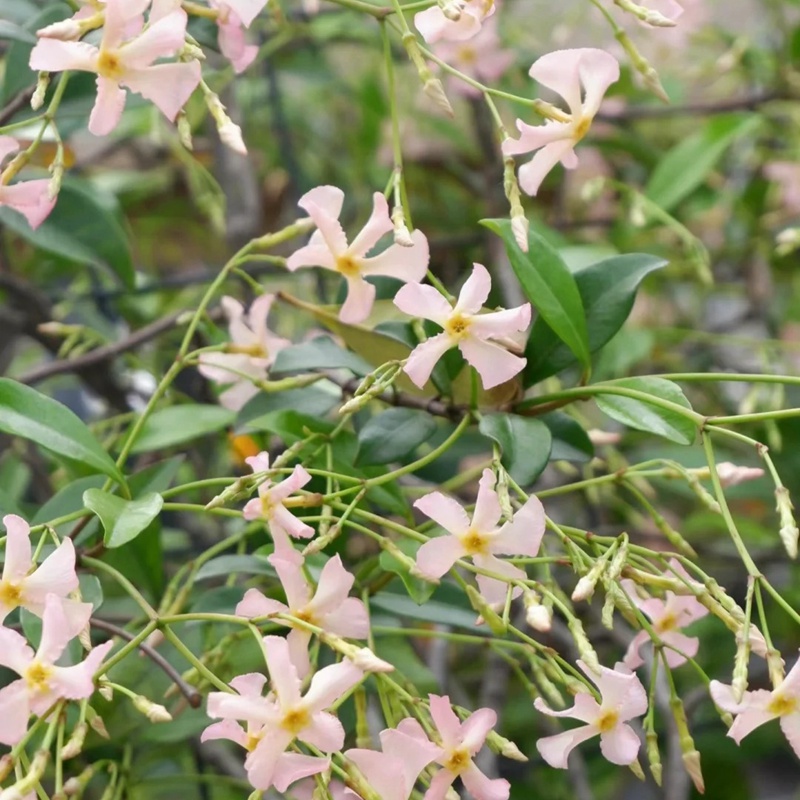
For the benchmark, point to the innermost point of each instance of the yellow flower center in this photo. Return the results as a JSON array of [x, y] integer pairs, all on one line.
[[457, 761], [582, 128], [253, 350], [467, 54], [348, 266], [266, 506], [10, 594], [780, 705], [668, 622], [458, 326], [307, 615], [475, 543], [295, 720], [109, 65], [607, 721], [37, 676], [252, 740]]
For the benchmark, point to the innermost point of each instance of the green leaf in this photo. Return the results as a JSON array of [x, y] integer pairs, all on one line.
[[8, 30], [432, 611], [549, 285], [91, 590], [224, 566], [123, 520], [608, 290], [687, 165], [418, 589], [315, 401], [392, 435], [643, 416], [26, 413], [82, 228], [525, 444], [319, 353], [178, 424], [570, 440]]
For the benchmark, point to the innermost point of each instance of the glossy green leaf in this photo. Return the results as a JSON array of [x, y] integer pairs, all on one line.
[[26, 413], [687, 165], [392, 435], [525, 444], [8, 30], [570, 440], [549, 285], [319, 353], [418, 589], [123, 520], [223, 566], [644, 416], [178, 424], [608, 290], [431, 611], [314, 400], [82, 228]]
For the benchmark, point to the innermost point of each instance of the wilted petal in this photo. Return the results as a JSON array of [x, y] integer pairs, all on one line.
[[523, 535], [167, 86], [108, 107], [555, 750], [620, 745], [494, 364], [14, 712], [359, 301], [533, 173], [404, 263], [417, 300], [438, 555], [483, 788]]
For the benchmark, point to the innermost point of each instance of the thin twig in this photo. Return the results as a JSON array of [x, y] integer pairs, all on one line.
[[695, 109], [17, 104]]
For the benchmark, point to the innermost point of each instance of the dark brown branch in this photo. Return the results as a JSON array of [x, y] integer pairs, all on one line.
[[193, 697]]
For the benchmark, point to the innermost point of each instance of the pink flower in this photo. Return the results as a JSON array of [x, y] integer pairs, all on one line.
[[41, 682], [465, 328], [328, 248], [481, 538], [667, 616], [761, 706], [393, 772], [125, 58], [565, 72], [234, 16], [481, 58], [622, 698], [31, 198], [460, 742], [283, 717], [251, 352], [269, 506], [21, 587], [328, 608], [463, 21]]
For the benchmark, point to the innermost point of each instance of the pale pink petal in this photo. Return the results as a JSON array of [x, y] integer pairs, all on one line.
[[532, 137], [555, 750], [55, 574], [282, 672], [598, 70], [409, 743], [18, 548], [790, 725], [791, 683], [320, 204], [167, 86], [257, 317], [312, 255], [226, 729], [632, 659], [430, 23], [501, 323], [445, 512], [324, 732], [722, 694], [685, 607], [57, 630], [417, 300], [424, 357], [293, 767], [119, 16], [14, 712], [53, 55], [258, 463], [533, 173], [31, 198], [561, 72], [282, 520], [350, 619], [297, 479], [246, 10], [334, 584], [483, 788], [476, 728], [108, 107], [378, 224], [8, 145], [620, 745], [404, 263], [14, 651], [160, 39], [441, 782], [383, 772], [161, 8], [359, 301], [688, 645], [622, 692], [487, 511], [585, 708], [226, 367], [494, 364], [283, 544], [475, 291], [238, 329], [446, 721], [329, 199], [233, 44], [251, 684], [293, 580], [298, 641], [262, 762], [238, 396], [254, 604], [253, 509], [77, 683], [523, 535], [747, 721], [330, 683], [493, 590], [438, 555], [255, 710]]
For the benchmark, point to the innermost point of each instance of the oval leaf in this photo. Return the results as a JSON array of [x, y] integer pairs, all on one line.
[[123, 520], [643, 416], [27, 413], [392, 435], [608, 289], [549, 285], [179, 424], [525, 444]]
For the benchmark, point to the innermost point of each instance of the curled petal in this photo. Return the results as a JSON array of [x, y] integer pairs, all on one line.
[[494, 590], [378, 224], [233, 45], [417, 300], [282, 672], [297, 479], [55, 574], [167, 86], [424, 357], [532, 137], [586, 708], [533, 173], [330, 683], [555, 750], [359, 301], [404, 263], [483, 788], [287, 523], [494, 364], [298, 592], [161, 38], [523, 535], [320, 203], [501, 323]]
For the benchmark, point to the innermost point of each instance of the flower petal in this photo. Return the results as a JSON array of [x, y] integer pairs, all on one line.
[[14, 712], [359, 301], [424, 357], [483, 788], [233, 44], [334, 584], [446, 721], [688, 645], [442, 781], [163, 38], [262, 762], [58, 629], [54, 55], [404, 263], [384, 772], [476, 727], [283, 521], [622, 692], [523, 535], [494, 364], [18, 548], [632, 659], [255, 604], [487, 511], [438, 555], [77, 682], [8, 146], [55, 574], [293, 767], [167, 86], [378, 224], [250, 684], [298, 640], [501, 323], [324, 732], [14, 651], [282, 672], [532, 137], [330, 683], [534, 172], [350, 619], [475, 291], [31, 198], [312, 255], [620, 745], [598, 70], [560, 71], [225, 729], [585, 708], [445, 512], [108, 107], [293, 580], [424, 301], [790, 725], [246, 10], [324, 205], [555, 750], [494, 590]]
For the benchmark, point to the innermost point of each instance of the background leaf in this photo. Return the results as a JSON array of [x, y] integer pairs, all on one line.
[[123, 520], [392, 435], [525, 444], [179, 424]]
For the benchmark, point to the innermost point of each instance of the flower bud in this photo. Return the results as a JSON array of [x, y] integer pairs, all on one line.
[[65, 30], [22, 787], [789, 533], [537, 615], [452, 9], [6, 765], [519, 227], [691, 763], [585, 649], [732, 475], [366, 660], [184, 128], [654, 756], [488, 614], [153, 711], [75, 742], [505, 747], [402, 235], [106, 691], [42, 84], [434, 88], [231, 136]]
